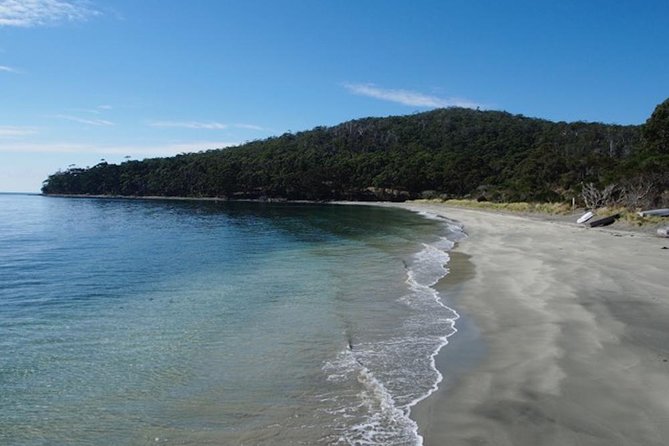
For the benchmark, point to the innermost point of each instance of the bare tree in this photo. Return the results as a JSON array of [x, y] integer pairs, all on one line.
[[595, 198], [639, 191]]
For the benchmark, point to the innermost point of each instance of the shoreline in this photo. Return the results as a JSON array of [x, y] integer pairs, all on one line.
[[560, 337], [566, 343], [648, 228]]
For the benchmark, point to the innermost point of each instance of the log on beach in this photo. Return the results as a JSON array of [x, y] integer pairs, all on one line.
[[604, 221]]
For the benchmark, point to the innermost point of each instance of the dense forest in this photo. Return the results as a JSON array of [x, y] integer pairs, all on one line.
[[454, 152]]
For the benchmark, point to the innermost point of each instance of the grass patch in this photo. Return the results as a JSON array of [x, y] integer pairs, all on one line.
[[516, 207], [631, 217]]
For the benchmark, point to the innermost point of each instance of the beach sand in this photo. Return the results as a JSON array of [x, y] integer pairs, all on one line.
[[563, 340]]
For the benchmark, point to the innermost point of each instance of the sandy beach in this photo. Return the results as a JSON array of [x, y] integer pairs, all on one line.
[[564, 336]]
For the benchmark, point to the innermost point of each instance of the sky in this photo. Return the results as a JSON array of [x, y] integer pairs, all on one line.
[[82, 81]]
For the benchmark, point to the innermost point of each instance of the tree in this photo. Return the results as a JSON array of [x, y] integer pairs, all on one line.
[[595, 198], [656, 130], [455, 152]]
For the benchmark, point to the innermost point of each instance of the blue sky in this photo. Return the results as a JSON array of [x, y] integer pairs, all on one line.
[[86, 80]]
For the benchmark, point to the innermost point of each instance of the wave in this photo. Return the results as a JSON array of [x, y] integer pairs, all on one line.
[[391, 376]]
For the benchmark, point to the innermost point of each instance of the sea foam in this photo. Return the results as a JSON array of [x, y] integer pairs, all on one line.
[[391, 376]]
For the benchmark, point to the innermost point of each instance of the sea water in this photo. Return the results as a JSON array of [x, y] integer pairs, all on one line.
[[134, 322]]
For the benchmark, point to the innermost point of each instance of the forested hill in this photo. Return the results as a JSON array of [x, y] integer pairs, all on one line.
[[447, 152]]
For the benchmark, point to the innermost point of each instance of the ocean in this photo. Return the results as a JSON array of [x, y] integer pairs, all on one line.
[[137, 322]]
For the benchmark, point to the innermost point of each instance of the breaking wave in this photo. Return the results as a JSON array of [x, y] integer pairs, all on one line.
[[387, 378]]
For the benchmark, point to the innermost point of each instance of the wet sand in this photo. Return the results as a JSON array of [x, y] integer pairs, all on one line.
[[564, 338]]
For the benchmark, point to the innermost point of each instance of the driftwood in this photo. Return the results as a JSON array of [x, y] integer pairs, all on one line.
[[604, 221], [655, 213]]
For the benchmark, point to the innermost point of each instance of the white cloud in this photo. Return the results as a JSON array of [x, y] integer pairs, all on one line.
[[91, 111], [15, 132], [249, 127], [203, 125], [190, 125], [135, 151], [408, 97], [6, 69], [94, 111], [28, 13], [96, 122]]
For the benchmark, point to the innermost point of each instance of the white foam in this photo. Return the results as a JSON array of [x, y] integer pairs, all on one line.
[[429, 267], [398, 373], [452, 225], [423, 278]]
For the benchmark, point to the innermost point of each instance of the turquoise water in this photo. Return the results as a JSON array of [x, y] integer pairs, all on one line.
[[148, 322]]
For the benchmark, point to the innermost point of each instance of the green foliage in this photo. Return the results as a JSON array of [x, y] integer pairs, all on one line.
[[450, 152], [656, 130]]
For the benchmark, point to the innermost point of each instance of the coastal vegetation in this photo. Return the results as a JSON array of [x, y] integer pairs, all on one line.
[[558, 208], [446, 153], [626, 215]]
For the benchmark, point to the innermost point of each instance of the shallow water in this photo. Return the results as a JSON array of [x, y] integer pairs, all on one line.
[[142, 322]]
